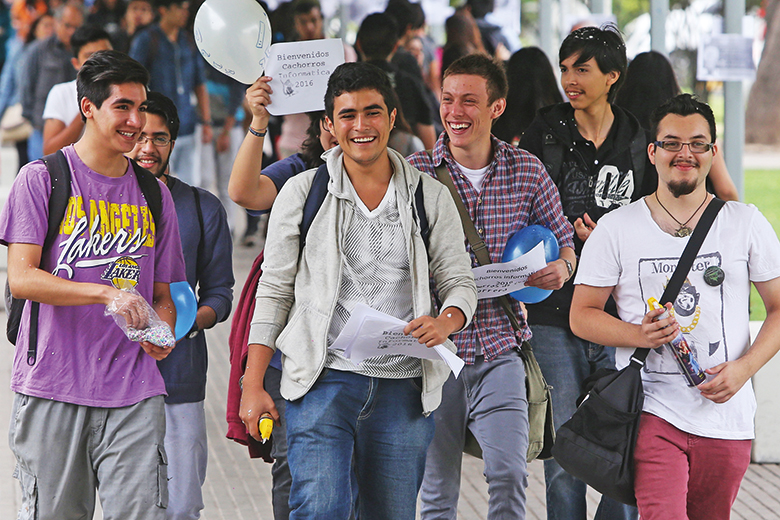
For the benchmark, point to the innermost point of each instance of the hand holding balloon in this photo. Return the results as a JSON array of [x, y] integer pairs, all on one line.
[[545, 279], [258, 96]]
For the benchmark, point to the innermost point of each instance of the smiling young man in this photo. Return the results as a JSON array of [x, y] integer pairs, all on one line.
[[88, 413], [595, 153], [364, 247], [505, 190], [693, 446], [208, 249]]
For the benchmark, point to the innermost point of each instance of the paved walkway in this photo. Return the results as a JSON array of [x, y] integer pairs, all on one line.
[[238, 488]]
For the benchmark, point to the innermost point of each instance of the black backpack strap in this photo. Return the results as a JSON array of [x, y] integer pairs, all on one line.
[[552, 156], [422, 217], [202, 241], [150, 187], [59, 172], [315, 198]]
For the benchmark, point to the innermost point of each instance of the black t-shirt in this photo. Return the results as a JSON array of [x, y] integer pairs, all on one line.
[[589, 181]]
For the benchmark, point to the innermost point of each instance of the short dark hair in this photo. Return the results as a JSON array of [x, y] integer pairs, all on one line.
[[605, 44], [305, 6], [683, 105], [483, 66], [103, 70], [161, 105], [352, 77], [403, 13], [84, 35], [377, 36]]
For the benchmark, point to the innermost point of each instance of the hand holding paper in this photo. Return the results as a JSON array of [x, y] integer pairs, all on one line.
[[498, 279], [370, 333]]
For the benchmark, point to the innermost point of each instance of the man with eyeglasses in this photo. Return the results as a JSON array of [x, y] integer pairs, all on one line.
[[208, 248], [693, 446]]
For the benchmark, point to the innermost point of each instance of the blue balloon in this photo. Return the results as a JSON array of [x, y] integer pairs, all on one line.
[[186, 307], [522, 242]]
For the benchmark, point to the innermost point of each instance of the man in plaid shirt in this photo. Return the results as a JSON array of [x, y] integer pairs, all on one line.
[[505, 190]]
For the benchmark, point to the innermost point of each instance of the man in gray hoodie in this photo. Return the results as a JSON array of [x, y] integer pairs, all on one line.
[[365, 246]]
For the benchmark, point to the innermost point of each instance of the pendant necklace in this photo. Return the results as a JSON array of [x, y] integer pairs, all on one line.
[[683, 230]]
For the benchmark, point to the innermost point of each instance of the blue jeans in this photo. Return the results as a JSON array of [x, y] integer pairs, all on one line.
[[489, 399], [566, 361], [379, 422]]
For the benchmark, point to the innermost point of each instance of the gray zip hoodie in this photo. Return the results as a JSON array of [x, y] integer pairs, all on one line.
[[298, 292]]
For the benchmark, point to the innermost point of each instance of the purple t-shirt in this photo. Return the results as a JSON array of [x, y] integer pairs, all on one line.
[[107, 237]]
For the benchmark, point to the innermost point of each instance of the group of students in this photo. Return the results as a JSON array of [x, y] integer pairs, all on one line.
[[576, 162], [365, 440]]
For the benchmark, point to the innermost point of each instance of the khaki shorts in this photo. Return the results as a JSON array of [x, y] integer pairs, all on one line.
[[65, 452]]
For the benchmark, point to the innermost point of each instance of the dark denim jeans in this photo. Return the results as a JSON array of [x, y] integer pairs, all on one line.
[[380, 423], [566, 361]]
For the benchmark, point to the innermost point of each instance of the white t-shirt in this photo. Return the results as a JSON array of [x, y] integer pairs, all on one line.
[[629, 251], [62, 103], [476, 177]]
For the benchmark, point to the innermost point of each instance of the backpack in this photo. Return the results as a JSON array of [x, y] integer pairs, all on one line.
[[59, 172]]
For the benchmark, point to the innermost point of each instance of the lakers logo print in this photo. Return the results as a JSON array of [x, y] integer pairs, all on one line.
[[123, 273]]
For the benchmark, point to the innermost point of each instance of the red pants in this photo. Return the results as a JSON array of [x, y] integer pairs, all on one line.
[[683, 476]]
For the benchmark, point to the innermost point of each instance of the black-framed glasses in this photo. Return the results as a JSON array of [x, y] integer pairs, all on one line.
[[157, 140], [676, 146]]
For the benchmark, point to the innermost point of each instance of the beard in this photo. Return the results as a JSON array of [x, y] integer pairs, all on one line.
[[680, 188]]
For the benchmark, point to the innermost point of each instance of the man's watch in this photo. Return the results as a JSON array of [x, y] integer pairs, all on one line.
[[194, 330], [569, 268]]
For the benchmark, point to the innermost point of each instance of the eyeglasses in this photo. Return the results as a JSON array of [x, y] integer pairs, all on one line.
[[676, 146], [157, 140]]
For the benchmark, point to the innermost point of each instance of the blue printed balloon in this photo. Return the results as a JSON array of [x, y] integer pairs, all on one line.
[[522, 242]]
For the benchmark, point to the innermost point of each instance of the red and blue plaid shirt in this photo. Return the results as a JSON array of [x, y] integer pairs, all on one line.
[[516, 193]]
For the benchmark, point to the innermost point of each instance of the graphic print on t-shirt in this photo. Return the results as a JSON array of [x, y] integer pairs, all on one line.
[[613, 188], [607, 190], [111, 235], [698, 309]]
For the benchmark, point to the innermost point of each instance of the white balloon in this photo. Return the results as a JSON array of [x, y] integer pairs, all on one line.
[[234, 37]]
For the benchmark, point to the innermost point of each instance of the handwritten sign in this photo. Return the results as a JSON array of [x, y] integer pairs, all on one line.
[[498, 279], [369, 333], [300, 72]]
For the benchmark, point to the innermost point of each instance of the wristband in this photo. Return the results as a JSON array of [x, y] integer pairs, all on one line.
[[258, 133]]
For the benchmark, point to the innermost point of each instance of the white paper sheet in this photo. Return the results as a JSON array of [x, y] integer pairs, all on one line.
[[300, 72], [498, 279], [370, 333]]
